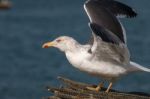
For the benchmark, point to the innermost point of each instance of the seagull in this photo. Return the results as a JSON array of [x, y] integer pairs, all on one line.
[[106, 55]]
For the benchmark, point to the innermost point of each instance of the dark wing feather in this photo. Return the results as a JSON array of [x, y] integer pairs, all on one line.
[[103, 17], [117, 8], [105, 34]]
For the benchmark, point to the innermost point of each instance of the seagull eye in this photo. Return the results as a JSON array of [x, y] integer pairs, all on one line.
[[58, 40]]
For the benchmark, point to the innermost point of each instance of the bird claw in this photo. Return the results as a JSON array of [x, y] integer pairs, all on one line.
[[97, 89], [109, 87]]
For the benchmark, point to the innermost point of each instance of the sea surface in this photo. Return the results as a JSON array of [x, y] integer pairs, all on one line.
[[26, 69]]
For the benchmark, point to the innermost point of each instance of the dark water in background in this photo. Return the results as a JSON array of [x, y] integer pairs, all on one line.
[[26, 68]]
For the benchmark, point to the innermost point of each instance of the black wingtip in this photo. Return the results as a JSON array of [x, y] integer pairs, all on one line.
[[129, 14], [123, 9], [115, 7]]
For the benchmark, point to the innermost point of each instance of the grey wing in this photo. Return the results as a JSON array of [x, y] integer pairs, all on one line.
[[109, 39], [108, 47], [108, 52], [102, 16]]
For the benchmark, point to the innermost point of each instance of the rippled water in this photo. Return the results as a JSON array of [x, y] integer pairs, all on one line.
[[26, 68]]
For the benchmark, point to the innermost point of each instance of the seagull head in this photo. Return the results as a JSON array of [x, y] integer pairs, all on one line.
[[64, 43]]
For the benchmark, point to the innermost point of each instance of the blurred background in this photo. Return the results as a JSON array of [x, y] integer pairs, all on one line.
[[26, 69]]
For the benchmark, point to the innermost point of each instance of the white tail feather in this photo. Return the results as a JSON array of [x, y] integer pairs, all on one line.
[[139, 67]]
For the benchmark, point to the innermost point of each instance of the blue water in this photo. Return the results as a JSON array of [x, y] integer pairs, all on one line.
[[26, 68]]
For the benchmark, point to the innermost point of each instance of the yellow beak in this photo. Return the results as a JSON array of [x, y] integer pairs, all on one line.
[[48, 44]]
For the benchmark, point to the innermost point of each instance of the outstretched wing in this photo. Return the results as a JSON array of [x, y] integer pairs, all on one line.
[[117, 8], [101, 16], [102, 12]]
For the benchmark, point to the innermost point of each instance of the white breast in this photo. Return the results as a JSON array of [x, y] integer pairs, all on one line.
[[77, 58], [81, 60]]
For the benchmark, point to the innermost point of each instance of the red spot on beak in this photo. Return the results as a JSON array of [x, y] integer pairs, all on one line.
[[46, 46]]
